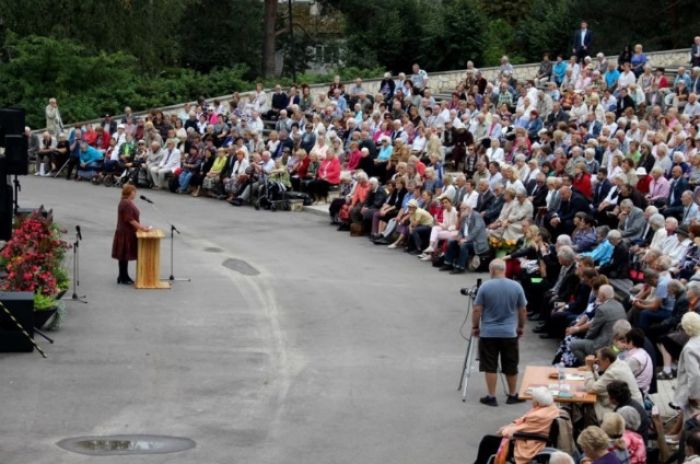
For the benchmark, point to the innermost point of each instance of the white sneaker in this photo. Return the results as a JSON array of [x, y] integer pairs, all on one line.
[[427, 258], [428, 250], [392, 246]]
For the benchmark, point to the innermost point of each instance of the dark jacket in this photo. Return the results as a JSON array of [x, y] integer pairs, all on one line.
[[619, 265], [376, 199], [601, 191], [485, 200], [680, 186], [493, 211], [539, 196], [553, 119]]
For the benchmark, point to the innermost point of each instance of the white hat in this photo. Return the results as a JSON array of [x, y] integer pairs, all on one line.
[[641, 171], [412, 203], [542, 396], [121, 126]]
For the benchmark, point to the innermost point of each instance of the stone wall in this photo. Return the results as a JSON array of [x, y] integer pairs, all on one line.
[[447, 80]]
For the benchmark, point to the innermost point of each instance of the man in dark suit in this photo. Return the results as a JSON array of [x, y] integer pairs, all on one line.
[[537, 191], [494, 210], [582, 42], [556, 116], [695, 52], [619, 265], [471, 240], [679, 184], [602, 187], [562, 222], [486, 196], [374, 200], [563, 288], [624, 102]]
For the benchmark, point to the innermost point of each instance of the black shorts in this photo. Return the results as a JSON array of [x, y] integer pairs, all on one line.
[[491, 348]]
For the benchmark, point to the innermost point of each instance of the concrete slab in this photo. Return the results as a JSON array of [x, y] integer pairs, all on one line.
[[333, 351]]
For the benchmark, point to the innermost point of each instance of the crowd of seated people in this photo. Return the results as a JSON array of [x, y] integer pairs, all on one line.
[[583, 178]]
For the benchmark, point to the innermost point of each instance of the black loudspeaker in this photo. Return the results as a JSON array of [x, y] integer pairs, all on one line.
[[13, 139], [16, 155], [21, 305], [6, 215]]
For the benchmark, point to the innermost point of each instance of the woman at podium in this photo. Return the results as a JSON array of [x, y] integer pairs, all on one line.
[[124, 246]]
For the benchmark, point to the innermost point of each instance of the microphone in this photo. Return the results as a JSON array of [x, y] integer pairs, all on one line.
[[146, 199], [78, 233]]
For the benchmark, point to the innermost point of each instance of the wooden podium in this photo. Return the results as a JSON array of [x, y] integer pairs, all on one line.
[[148, 260]]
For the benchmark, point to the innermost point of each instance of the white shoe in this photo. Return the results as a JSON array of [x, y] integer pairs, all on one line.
[[392, 246], [428, 250], [427, 258]]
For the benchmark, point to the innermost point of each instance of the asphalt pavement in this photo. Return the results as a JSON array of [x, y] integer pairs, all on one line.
[[291, 343]]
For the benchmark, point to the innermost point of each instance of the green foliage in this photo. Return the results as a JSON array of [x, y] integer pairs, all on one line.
[[499, 36], [397, 33], [43, 302], [548, 28], [89, 84], [222, 33], [146, 29]]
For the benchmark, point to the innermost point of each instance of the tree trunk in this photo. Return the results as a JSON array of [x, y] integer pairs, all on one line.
[[269, 38]]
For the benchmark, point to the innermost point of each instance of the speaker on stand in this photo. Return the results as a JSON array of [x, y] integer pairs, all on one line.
[[13, 162]]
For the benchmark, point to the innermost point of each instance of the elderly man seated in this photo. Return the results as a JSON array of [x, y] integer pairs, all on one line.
[[600, 332], [605, 368], [471, 240], [538, 420]]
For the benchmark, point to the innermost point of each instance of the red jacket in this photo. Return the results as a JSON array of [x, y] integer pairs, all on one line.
[[582, 183], [330, 171]]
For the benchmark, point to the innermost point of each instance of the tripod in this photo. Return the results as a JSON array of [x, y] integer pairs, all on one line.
[[76, 267], [18, 188]]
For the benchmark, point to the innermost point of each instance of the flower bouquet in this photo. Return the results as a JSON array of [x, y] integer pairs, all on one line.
[[501, 246], [33, 261]]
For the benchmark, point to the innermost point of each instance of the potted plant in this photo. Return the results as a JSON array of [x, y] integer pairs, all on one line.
[[33, 261]]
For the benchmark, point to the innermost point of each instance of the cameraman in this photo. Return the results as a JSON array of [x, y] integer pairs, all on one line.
[[498, 320]]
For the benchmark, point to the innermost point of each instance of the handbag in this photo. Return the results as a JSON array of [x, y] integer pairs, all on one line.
[[344, 213], [502, 453]]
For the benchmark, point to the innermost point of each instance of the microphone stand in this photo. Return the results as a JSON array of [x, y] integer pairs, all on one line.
[[76, 267], [173, 229]]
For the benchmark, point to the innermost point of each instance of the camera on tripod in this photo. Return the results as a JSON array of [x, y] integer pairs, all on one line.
[[471, 291]]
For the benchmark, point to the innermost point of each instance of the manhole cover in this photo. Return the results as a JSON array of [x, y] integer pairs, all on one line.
[[126, 444], [241, 266]]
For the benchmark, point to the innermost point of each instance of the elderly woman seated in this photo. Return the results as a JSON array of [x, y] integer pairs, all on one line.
[[443, 230], [537, 421], [595, 445], [517, 209]]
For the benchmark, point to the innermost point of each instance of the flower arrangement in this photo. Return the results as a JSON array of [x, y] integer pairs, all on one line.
[[499, 244], [33, 261]]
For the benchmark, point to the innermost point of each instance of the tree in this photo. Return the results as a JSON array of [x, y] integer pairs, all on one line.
[[269, 37], [548, 28], [233, 35], [456, 29]]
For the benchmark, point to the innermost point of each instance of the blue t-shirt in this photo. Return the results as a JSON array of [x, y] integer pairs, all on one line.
[[667, 300], [500, 299]]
